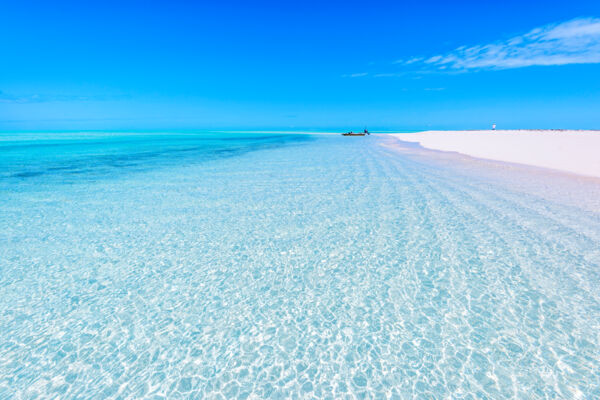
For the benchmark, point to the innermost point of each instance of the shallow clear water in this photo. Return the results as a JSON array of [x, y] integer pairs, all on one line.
[[229, 266]]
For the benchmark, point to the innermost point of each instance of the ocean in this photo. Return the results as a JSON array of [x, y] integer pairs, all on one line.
[[257, 265]]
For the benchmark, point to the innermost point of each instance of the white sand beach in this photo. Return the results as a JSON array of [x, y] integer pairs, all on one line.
[[565, 150]]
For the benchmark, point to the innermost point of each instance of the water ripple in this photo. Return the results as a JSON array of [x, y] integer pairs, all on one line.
[[336, 269]]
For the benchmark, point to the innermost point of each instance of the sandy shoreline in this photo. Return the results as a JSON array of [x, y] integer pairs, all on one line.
[[571, 151]]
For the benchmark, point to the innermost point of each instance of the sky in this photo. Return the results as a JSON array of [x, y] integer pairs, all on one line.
[[338, 65]]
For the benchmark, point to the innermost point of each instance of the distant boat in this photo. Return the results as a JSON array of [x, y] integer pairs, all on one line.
[[363, 133]]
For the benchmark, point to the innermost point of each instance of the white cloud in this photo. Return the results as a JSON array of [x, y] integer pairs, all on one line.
[[357, 75], [388, 74], [433, 60], [413, 60], [572, 42], [38, 98]]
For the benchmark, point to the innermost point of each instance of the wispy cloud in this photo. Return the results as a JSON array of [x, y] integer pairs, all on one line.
[[356, 75], [389, 74], [44, 98], [413, 60], [572, 42]]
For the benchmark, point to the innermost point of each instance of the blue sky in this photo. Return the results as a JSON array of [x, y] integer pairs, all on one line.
[[299, 65]]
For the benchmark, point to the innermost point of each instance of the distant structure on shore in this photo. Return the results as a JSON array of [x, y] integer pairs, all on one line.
[[493, 127]]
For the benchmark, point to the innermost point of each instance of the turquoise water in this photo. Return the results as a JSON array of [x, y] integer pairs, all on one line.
[[276, 266]]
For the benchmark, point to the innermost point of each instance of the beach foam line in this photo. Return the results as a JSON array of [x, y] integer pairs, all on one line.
[[571, 151]]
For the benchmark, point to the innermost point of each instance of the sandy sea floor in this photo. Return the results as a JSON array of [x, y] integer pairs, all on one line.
[[326, 267]]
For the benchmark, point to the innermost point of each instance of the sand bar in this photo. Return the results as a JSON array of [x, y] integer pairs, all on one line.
[[565, 150]]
